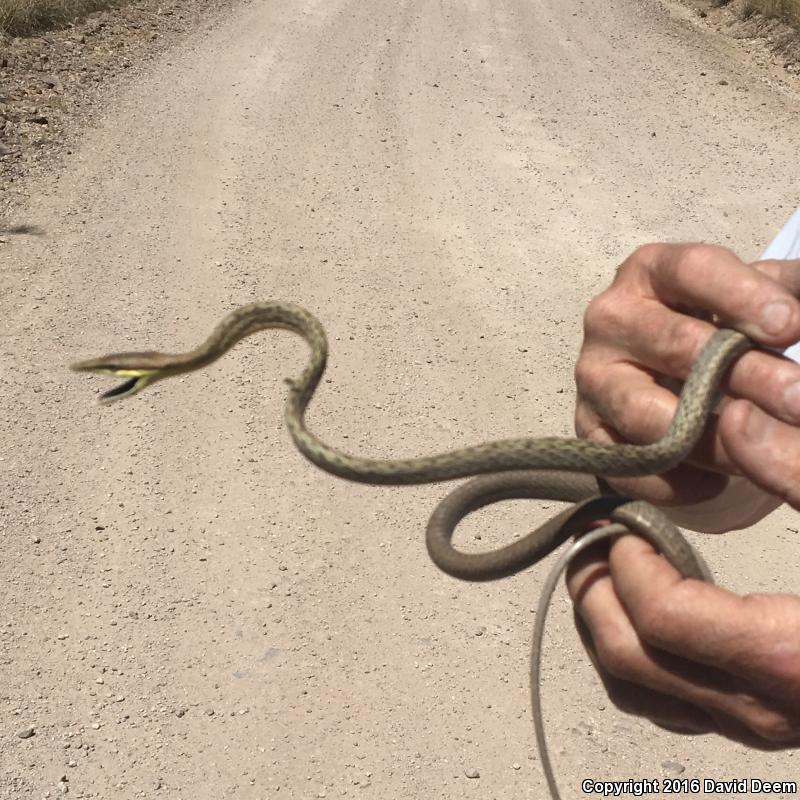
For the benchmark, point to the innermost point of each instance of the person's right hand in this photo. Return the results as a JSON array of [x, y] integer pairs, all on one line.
[[652, 323]]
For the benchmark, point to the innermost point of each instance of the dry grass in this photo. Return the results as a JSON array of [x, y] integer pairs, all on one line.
[[787, 10], [20, 17]]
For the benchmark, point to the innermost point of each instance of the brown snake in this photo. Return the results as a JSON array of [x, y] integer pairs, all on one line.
[[546, 468]]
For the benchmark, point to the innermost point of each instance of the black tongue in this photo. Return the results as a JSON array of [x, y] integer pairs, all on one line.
[[123, 388]]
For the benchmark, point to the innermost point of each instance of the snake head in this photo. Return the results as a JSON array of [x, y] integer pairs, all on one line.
[[130, 366]]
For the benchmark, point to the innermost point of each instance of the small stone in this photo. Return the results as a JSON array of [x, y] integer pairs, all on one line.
[[516, 766], [722, 82], [471, 772], [674, 767], [26, 733], [37, 539]]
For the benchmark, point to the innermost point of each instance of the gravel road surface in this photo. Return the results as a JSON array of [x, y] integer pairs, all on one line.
[[190, 610]]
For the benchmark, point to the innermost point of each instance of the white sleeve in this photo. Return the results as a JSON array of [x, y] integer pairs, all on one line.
[[787, 245]]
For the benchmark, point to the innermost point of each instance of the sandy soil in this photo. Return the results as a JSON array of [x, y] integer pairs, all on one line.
[[55, 83], [189, 610]]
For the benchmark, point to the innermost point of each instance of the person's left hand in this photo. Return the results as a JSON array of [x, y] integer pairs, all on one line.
[[690, 656]]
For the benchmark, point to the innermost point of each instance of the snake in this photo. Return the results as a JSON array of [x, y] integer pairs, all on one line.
[[549, 468]]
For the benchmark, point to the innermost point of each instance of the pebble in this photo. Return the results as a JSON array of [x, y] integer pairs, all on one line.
[[673, 766], [26, 733], [471, 772]]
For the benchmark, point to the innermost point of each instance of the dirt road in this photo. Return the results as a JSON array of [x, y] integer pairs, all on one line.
[[189, 609]]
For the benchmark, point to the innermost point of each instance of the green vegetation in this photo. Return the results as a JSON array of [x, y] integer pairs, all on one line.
[[19, 17]]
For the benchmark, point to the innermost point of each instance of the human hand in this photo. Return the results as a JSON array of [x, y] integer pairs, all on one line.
[[690, 656], [651, 323]]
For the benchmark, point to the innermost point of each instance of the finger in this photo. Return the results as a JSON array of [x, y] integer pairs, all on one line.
[[765, 449], [626, 656], [754, 638], [684, 485], [667, 712], [673, 657], [624, 402], [662, 342], [713, 278]]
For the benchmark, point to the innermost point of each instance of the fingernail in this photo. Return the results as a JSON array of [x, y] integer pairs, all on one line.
[[757, 426], [775, 317], [791, 399]]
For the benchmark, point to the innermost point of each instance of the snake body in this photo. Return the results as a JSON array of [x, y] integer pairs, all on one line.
[[546, 468]]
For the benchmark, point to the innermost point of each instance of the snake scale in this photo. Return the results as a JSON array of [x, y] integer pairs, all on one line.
[[545, 468]]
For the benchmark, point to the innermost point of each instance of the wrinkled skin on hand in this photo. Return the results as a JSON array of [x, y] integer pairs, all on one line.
[[690, 656]]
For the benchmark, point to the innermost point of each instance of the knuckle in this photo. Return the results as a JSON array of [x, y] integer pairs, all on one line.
[[701, 257], [638, 415], [608, 314], [645, 256], [588, 427], [588, 375], [650, 259], [678, 346], [599, 310]]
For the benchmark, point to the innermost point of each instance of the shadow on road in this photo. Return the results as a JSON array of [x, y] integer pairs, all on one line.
[[31, 230]]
